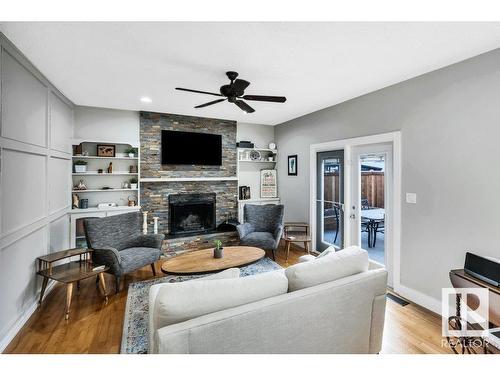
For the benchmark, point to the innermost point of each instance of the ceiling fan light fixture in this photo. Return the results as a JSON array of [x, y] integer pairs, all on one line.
[[234, 92]]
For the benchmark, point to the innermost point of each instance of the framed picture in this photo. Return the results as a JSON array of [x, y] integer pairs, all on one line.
[[268, 185], [292, 165], [106, 150]]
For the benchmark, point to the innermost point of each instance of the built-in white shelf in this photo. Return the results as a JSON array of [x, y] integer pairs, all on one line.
[[258, 200], [257, 161], [105, 174], [106, 209], [101, 190], [105, 157], [258, 149], [186, 179]]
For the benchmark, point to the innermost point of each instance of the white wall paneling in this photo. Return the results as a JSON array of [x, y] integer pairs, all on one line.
[[35, 167], [24, 103], [59, 191], [20, 286], [61, 124], [24, 184]]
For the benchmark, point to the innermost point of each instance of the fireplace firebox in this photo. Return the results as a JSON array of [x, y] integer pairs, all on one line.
[[191, 213]]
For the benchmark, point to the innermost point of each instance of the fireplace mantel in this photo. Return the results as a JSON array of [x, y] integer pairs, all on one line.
[[187, 179]]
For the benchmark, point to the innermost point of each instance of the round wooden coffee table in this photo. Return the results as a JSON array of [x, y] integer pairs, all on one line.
[[203, 261]]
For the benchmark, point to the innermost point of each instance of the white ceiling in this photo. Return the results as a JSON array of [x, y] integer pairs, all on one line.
[[315, 65]]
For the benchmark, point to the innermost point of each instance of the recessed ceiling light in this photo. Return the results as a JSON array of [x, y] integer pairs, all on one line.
[[145, 99]]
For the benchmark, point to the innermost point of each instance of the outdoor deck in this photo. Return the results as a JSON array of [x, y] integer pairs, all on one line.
[[376, 253]]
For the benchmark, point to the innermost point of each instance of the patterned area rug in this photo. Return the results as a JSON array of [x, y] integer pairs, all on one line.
[[135, 325]]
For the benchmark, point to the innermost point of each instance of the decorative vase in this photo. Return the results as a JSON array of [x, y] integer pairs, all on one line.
[[145, 222], [218, 252], [133, 186], [155, 227], [131, 155]]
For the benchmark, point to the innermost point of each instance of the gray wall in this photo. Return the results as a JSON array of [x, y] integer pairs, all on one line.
[[35, 184], [450, 124], [107, 125], [259, 135]]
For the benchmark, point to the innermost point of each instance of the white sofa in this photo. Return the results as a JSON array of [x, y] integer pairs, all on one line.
[[335, 304]]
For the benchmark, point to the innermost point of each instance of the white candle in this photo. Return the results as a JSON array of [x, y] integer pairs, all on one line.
[[145, 222], [155, 229]]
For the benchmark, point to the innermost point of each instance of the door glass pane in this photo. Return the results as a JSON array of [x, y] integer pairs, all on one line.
[[330, 200], [372, 172]]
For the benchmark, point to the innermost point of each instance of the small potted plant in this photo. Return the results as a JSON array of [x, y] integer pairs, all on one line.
[[131, 152], [218, 250], [133, 183], [80, 166]]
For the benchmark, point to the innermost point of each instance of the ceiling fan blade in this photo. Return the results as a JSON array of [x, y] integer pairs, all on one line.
[[210, 103], [198, 91], [264, 98], [244, 106], [239, 85]]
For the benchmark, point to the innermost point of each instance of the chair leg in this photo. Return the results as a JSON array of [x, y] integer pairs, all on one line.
[[153, 268], [274, 256], [117, 281]]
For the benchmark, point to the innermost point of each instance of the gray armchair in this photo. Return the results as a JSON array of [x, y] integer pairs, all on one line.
[[262, 227], [118, 243]]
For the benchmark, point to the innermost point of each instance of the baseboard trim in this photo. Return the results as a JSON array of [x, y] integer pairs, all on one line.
[[419, 298], [19, 324]]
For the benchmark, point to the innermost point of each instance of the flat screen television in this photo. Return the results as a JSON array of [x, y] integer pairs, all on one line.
[[189, 148]]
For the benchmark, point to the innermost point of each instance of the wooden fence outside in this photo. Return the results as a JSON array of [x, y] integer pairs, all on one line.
[[372, 187]]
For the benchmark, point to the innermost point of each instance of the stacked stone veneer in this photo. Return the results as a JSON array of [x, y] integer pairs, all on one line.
[[150, 137], [154, 195]]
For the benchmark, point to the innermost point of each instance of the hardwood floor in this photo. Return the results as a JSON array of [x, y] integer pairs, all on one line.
[[94, 327]]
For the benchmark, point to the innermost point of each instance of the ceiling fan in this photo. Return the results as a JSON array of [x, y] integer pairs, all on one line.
[[234, 93]]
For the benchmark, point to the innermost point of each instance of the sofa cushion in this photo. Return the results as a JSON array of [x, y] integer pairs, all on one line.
[[137, 257], [230, 273], [179, 302], [262, 240], [329, 250], [343, 263]]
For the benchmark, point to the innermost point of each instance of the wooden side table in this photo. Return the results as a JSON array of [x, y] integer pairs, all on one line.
[[71, 272], [290, 236]]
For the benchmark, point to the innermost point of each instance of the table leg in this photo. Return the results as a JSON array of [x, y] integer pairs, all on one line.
[[375, 229], [103, 286], [44, 286], [287, 250], [69, 294], [306, 246]]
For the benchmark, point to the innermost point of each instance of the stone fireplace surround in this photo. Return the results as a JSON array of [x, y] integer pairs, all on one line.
[[155, 195]]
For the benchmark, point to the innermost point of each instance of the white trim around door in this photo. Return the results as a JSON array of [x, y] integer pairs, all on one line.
[[347, 144]]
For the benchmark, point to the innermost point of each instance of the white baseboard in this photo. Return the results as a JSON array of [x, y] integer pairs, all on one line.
[[16, 327], [419, 298]]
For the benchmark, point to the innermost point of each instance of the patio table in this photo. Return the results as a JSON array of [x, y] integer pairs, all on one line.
[[374, 216]]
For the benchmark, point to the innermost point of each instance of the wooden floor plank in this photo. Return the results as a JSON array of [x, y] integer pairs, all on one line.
[[96, 327]]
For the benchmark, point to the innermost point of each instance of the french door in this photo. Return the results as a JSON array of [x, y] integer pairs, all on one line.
[[330, 200], [370, 211]]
